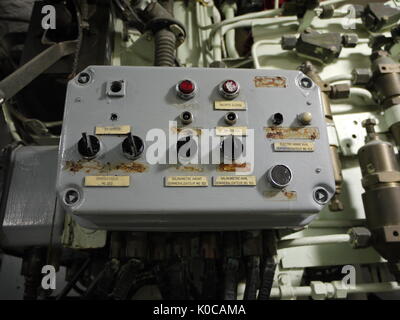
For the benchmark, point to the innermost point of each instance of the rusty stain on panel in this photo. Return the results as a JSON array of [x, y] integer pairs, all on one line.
[[292, 133], [281, 195], [234, 167], [88, 166], [270, 82], [189, 168], [195, 131]]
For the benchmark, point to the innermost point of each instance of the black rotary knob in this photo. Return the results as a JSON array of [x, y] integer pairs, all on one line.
[[232, 148], [186, 147], [132, 147], [88, 146], [277, 118]]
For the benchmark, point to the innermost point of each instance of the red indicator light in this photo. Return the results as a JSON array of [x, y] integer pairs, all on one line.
[[186, 87]]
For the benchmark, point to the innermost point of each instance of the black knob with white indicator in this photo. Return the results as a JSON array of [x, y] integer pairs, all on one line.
[[232, 148], [279, 176], [186, 147], [132, 147], [88, 146], [277, 119]]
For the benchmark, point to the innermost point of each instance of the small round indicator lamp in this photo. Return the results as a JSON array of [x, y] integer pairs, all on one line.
[[186, 89], [229, 89]]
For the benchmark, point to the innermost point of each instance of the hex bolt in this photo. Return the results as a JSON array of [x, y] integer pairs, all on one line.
[[84, 78], [327, 11], [339, 91], [349, 40], [369, 125], [361, 76], [288, 42], [360, 237]]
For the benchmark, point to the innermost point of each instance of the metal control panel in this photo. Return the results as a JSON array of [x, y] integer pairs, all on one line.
[[124, 127]]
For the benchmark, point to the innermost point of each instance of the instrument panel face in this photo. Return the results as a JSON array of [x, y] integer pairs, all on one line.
[[180, 149]]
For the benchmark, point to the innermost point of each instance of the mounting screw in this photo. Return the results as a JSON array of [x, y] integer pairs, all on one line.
[[84, 78], [71, 197], [321, 195], [306, 83], [114, 117]]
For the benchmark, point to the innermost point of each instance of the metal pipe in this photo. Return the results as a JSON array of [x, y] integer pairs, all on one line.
[[317, 240], [217, 49], [360, 288], [229, 12]]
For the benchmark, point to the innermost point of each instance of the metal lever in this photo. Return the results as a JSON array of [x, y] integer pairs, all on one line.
[[19, 79]]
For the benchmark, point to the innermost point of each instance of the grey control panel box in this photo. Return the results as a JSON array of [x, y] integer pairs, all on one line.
[[116, 170]]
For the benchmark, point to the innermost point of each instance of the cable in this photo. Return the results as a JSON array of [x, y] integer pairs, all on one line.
[[10, 123], [247, 16], [252, 277], [74, 279], [229, 12], [267, 278]]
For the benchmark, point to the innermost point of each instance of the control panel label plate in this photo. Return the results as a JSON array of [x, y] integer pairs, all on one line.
[[113, 130], [235, 181], [231, 131], [107, 181], [294, 146], [270, 82], [186, 181], [230, 105], [292, 133]]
